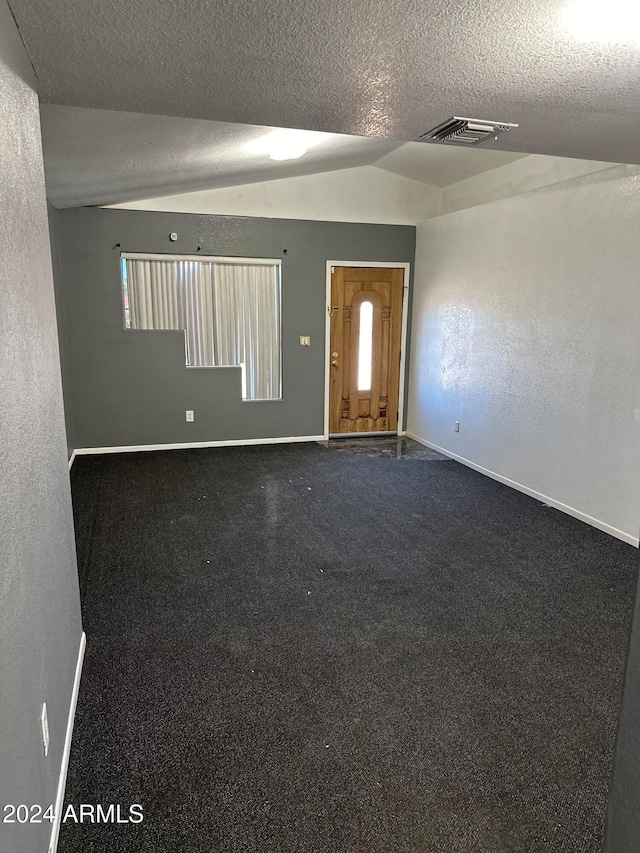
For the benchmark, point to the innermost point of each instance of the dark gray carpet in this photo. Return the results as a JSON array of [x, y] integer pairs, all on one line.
[[393, 447], [295, 650]]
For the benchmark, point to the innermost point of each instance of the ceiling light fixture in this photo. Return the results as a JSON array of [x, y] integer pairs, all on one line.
[[608, 21], [285, 144]]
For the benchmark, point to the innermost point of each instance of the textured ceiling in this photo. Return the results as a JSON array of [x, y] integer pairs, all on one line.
[[107, 157], [387, 68], [441, 165]]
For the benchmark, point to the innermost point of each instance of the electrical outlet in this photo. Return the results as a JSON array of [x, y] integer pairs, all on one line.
[[457, 426], [189, 416], [44, 721]]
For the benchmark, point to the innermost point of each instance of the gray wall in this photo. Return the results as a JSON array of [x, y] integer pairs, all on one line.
[[39, 608], [132, 387], [623, 816], [62, 332]]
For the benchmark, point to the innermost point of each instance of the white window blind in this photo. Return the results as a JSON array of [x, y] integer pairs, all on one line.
[[230, 309]]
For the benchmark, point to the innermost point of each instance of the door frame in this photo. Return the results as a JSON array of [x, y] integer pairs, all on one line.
[[403, 340]]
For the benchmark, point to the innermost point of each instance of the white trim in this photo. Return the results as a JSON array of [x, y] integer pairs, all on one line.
[[569, 510], [64, 765], [218, 259], [383, 265], [327, 347], [71, 458], [189, 445], [403, 340], [403, 347]]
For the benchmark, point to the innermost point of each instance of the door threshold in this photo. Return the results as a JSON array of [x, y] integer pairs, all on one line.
[[388, 434]]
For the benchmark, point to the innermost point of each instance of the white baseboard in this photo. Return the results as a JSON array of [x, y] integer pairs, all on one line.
[[71, 458], [569, 510], [188, 445], [62, 778]]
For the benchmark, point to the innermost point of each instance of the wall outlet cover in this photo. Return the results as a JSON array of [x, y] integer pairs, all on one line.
[[189, 416]]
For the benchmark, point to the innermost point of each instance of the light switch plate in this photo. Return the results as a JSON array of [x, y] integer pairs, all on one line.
[[305, 341]]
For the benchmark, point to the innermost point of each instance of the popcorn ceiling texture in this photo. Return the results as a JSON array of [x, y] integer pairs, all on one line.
[[392, 69], [104, 157]]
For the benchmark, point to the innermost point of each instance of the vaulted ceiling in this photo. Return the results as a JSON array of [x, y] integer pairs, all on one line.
[[384, 68], [106, 157]]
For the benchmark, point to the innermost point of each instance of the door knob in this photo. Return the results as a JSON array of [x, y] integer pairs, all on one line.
[[334, 363]]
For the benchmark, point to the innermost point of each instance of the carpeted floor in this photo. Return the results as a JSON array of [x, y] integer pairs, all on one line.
[[392, 448], [292, 650]]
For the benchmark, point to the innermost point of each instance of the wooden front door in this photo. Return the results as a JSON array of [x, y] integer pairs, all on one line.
[[366, 333]]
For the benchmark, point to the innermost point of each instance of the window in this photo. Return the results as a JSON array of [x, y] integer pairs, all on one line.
[[230, 309], [365, 346]]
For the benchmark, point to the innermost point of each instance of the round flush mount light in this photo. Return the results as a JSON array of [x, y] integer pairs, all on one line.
[[603, 21], [285, 144]]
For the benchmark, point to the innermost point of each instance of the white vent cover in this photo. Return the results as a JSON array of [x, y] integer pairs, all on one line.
[[466, 131]]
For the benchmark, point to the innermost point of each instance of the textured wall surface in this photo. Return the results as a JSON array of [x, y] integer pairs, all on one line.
[[392, 69], [364, 194], [132, 387], [524, 175], [39, 607], [370, 194], [525, 329]]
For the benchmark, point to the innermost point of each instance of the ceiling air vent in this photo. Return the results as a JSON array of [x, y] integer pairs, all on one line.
[[466, 131]]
